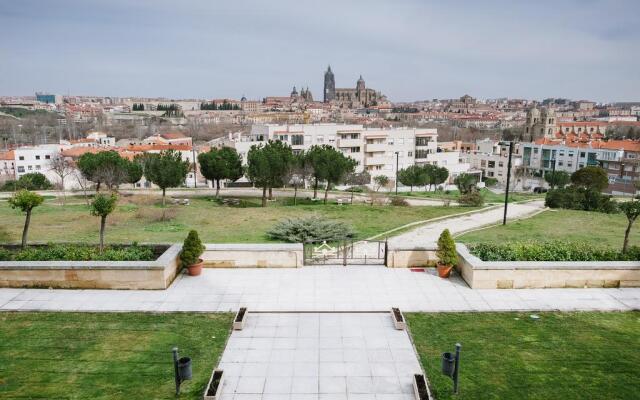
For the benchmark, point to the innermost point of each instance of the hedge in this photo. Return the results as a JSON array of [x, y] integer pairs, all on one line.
[[550, 251], [70, 252]]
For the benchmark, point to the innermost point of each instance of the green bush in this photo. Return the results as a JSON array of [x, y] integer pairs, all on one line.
[[446, 252], [33, 181], [489, 182], [74, 252], [575, 198], [310, 229], [399, 202], [471, 199], [192, 248], [550, 251]]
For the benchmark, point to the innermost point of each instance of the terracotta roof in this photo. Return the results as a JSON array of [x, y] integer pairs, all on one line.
[[76, 152], [173, 135], [582, 123], [7, 155], [160, 147], [627, 145]]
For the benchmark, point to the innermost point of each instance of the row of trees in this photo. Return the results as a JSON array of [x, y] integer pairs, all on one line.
[[423, 175], [224, 106], [137, 107]]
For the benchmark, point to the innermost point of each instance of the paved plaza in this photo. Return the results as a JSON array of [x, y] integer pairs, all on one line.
[[319, 356], [352, 288]]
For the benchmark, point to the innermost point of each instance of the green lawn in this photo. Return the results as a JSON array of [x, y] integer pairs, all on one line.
[[510, 356], [106, 355], [488, 195], [567, 225], [137, 219]]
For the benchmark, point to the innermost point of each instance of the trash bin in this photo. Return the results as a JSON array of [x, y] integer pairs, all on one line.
[[448, 363], [184, 368]]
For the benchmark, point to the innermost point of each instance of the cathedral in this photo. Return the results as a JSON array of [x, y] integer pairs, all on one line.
[[540, 124], [350, 98]]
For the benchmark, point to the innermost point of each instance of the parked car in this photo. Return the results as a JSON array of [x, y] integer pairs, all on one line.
[[540, 189]]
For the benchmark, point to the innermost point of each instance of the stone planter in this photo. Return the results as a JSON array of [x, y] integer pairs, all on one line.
[[214, 386], [398, 319], [420, 389], [240, 318], [195, 269]]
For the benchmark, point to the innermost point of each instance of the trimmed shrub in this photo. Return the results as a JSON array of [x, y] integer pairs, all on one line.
[[471, 199], [310, 229], [574, 198], [550, 251], [399, 202], [192, 249], [73, 252], [446, 252]]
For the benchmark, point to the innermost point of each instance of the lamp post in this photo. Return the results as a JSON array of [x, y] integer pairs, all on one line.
[[506, 192], [397, 155]]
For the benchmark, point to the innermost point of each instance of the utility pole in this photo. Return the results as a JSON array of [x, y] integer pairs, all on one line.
[[506, 193], [397, 155]]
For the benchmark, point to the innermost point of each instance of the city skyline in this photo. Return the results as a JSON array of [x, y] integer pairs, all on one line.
[[408, 50]]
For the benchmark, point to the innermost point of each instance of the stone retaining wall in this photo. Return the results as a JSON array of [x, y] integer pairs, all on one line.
[[545, 274], [407, 257], [156, 274], [253, 255]]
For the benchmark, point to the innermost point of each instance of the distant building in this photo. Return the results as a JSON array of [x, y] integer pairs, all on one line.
[[48, 98], [359, 97]]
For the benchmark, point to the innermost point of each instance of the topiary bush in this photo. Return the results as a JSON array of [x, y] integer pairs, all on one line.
[[310, 229], [550, 251], [192, 249], [446, 252]]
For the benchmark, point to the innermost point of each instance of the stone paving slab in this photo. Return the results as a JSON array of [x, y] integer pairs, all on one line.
[[319, 356], [363, 288]]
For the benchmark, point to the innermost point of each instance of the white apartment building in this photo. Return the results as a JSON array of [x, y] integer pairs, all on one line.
[[492, 158], [30, 159], [378, 151], [542, 157]]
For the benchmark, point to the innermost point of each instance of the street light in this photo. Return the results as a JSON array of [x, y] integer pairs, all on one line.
[[506, 192], [397, 155]]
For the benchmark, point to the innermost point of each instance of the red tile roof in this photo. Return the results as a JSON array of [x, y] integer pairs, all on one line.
[[7, 155]]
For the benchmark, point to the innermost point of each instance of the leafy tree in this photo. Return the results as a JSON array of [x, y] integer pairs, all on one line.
[[134, 169], [631, 210], [466, 183], [380, 181], [33, 181], [315, 157], [439, 175], [101, 206], [267, 165], [298, 172], [414, 175], [62, 167], [26, 201], [557, 178], [166, 170], [593, 178], [218, 164], [336, 166], [107, 167]]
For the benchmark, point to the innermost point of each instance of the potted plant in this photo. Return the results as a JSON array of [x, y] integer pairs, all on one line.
[[447, 255], [192, 249]]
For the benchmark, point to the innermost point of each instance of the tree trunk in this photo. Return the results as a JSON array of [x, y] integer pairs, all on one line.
[[103, 222], [98, 187], [315, 189], [270, 193], [295, 195], [326, 193], [626, 237], [264, 196], [64, 192], [163, 200], [217, 187], [411, 190], [351, 196], [25, 231]]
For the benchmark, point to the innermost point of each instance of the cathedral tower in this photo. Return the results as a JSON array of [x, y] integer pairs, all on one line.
[[329, 86]]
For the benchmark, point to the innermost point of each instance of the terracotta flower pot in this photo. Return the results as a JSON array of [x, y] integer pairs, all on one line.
[[444, 270], [195, 269]]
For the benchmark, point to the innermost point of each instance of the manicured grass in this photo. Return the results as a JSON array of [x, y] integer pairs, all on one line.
[[489, 196], [510, 356], [567, 225], [106, 355], [138, 219]]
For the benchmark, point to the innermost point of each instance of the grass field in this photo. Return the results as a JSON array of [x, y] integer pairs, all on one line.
[[510, 356], [488, 195], [138, 219], [567, 225], [106, 355]]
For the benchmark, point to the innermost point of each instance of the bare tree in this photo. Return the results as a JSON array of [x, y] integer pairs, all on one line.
[[83, 182], [62, 167]]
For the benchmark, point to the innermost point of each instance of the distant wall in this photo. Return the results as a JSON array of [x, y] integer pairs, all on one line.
[[253, 255], [545, 274], [156, 274]]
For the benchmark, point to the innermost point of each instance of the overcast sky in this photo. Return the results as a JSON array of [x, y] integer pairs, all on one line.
[[408, 49]]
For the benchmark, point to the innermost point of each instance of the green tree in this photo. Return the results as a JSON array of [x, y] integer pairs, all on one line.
[[33, 181], [440, 175], [298, 172], [267, 165], [380, 181], [134, 169], [337, 167], [466, 183], [412, 176], [166, 170], [631, 210], [107, 167], [101, 206], [557, 179], [26, 201], [218, 164], [591, 178], [315, 158], [447, 254]]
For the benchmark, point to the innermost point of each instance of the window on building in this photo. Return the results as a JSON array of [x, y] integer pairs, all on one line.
[[483, 163], [582, 154], [422, 153], [535, 151], [500, 164], [355, 136], [37, 157], [355, 149], [569, 164], [20, 168], [37, 168], [409, 153], [30, 168], [491, 164], [21, 158], [297, 140], [47, 157], [423, 141]]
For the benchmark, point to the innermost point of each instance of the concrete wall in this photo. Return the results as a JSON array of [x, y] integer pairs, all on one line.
[[545, 274], [156, 274], [407, 257], [253, 255]]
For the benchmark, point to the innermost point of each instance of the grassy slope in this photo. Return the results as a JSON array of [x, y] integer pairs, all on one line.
[[106, 356], [509, 356], [216, 224], [489, 196], [568, 225]]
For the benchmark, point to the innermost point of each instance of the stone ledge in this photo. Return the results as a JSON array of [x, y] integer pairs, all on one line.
[[253, 247]]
